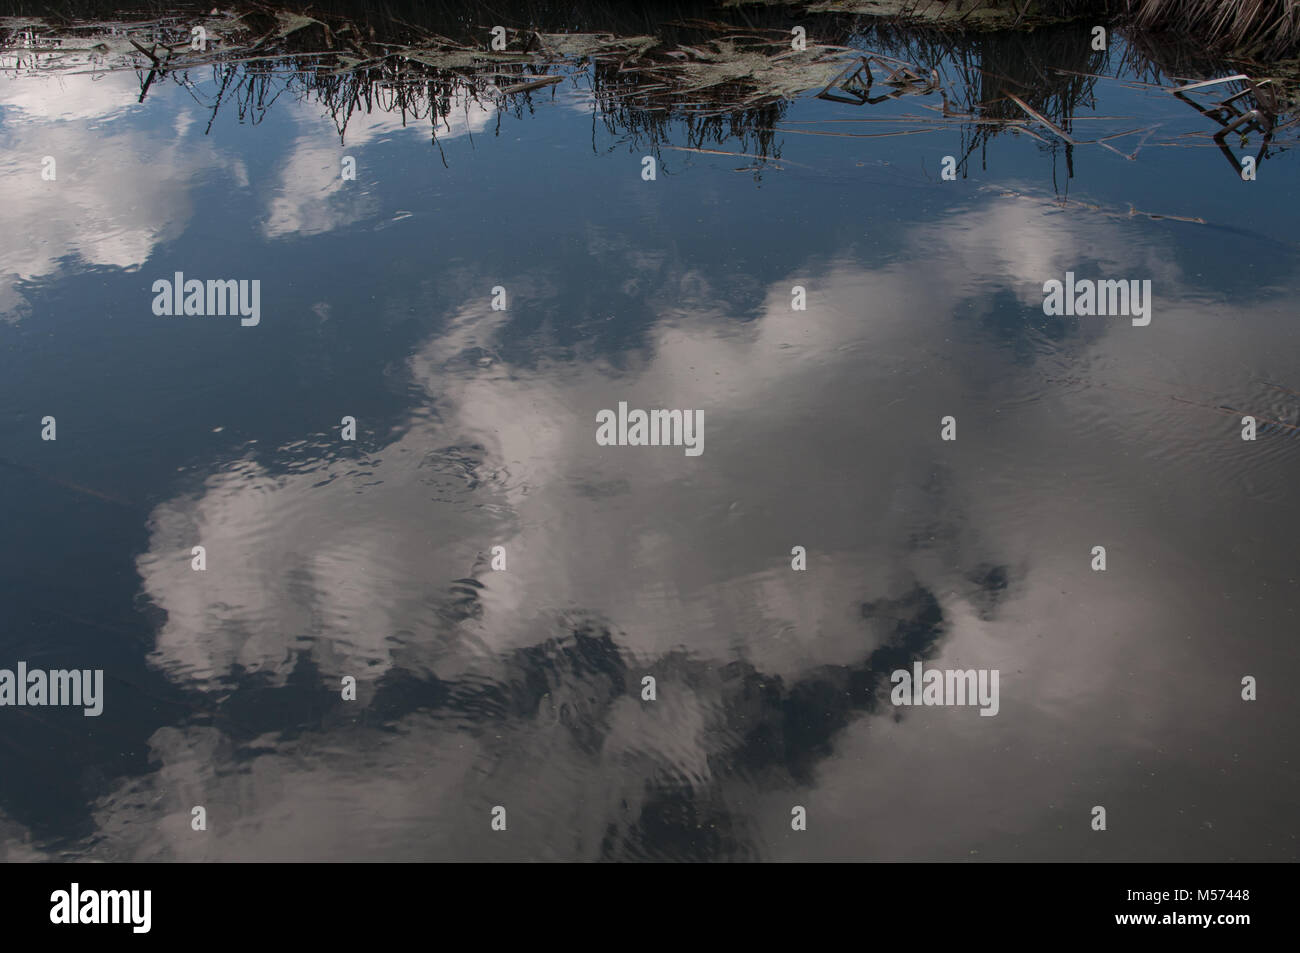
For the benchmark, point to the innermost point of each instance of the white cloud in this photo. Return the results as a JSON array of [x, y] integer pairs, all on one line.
[[119, 190], [311, 196]]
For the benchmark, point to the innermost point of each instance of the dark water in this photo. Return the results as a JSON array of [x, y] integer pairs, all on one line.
[[476, 428]]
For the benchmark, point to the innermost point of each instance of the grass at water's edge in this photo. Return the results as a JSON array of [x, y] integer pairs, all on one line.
[[1255, 28]]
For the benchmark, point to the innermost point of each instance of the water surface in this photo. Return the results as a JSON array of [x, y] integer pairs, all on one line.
[[476, 428]]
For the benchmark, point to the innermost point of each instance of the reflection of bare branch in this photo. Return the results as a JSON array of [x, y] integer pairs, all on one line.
[[703, 80]]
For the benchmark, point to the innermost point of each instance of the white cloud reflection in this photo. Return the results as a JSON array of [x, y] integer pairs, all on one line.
[[815, 434]]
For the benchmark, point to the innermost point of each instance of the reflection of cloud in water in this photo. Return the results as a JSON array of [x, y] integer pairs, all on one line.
[[560, 735], [685, 553], [68, 97], [16, 844], [311, 196], [118, 192], [522, 688]]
